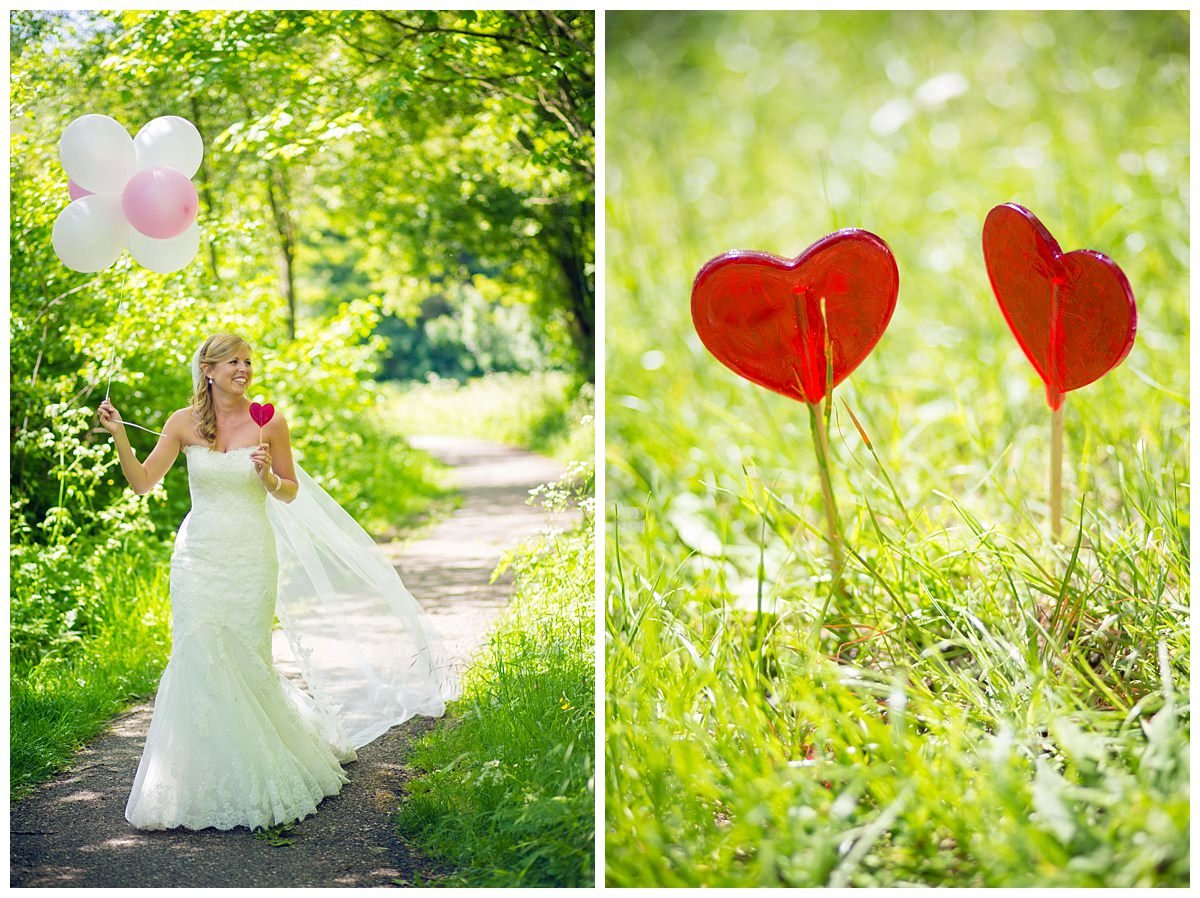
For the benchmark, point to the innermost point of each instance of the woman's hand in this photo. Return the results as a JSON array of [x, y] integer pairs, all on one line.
[[262, 467], [110, 418], [273, 460], [143, 477]]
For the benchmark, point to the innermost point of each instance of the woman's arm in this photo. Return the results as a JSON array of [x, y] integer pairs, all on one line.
[[142, 477], [273, 460]]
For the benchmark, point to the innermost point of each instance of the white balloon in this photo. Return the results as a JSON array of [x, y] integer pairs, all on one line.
[[90, 233], [172, 141], [97, 153], [165, 256]]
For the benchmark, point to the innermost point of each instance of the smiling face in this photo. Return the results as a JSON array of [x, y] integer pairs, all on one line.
[[232, 372]]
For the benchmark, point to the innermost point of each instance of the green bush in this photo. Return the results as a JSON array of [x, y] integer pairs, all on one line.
[[91, 633]]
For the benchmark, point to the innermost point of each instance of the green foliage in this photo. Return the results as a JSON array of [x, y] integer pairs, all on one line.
[[465, 335], [549, 412], [278, 836], [980, 708], [90, 634], [505, 790], [381, 152], [447, 91], [63, 599]]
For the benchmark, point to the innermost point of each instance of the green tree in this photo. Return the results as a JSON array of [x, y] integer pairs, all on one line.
[[489, 119], [439, 146]]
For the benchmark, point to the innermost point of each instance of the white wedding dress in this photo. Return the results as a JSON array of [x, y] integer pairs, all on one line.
[[232, 742]]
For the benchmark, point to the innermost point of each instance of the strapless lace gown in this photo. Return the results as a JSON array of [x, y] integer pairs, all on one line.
[[232, 742]]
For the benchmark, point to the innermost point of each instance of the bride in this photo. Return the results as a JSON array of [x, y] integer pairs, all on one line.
[[232, 742]]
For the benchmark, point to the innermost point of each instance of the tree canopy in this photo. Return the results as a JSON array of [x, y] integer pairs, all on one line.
[[364, 172], [357, 154]]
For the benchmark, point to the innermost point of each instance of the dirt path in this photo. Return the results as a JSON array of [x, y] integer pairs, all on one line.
[[72, 830]]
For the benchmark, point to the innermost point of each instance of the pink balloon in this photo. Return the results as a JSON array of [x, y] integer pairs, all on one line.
[[160, 202], [74, 191]]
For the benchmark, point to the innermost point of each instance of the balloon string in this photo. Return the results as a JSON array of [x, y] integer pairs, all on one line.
[[113, 356], [139, 427]]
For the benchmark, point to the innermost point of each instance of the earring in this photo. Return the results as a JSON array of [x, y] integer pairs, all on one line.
[[210, 381]]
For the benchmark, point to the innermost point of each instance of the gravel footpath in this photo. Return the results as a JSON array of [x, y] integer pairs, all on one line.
[[72, 831]]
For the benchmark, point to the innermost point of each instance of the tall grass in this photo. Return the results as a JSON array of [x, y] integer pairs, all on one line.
[[980, 707], [61, 697], [505, 792], [548, 412]]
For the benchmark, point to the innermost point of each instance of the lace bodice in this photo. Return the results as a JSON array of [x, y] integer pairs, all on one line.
[[225, 549], [224, 483]]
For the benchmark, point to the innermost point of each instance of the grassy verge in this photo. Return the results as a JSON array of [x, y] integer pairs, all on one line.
[[980, 707], [62, 699], [972, 713], [548, 413], [504, 791], [90, 625]]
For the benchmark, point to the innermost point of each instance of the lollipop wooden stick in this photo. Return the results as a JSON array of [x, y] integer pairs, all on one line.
[[832, 528], [1073, 314], [799, 327], [1056, 462], [1057, 400]]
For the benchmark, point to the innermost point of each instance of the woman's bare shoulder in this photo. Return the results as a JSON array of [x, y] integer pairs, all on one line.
[[182, 426], [181, 416], [278, 422]]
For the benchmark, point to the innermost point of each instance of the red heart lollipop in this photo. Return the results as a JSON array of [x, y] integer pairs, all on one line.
[[261, 414], [781, 322], [1073, 313]]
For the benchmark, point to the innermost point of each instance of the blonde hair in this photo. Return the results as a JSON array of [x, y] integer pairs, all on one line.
[[217, 348]]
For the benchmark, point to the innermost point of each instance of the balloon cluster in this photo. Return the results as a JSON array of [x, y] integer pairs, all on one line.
[[129, 193]]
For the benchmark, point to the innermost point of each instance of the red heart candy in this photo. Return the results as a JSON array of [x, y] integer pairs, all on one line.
[[771, 319], [261, 414], [1073, 313]]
